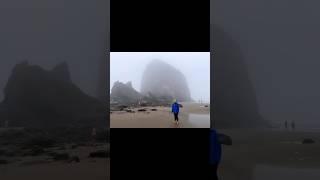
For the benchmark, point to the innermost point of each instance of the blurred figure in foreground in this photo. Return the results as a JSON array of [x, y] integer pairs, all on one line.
[[215, 154], [215, 151]]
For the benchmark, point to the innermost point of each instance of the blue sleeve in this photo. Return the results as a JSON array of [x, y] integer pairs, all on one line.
[[215, 148]]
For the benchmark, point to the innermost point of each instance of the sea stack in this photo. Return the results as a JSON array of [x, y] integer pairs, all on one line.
[[164, 80], [235, 102]]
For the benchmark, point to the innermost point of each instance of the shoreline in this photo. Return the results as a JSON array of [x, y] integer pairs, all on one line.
[[253, 148], [158, 117]]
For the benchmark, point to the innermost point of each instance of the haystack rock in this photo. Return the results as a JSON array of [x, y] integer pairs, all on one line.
[[163, 80], [235, 102], [40, 98], [124, 94]]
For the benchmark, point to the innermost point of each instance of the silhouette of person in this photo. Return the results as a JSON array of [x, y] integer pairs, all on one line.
[[93, 135], [215, 154], [175, 111], [293, 125], [286, 124], [6, 124]]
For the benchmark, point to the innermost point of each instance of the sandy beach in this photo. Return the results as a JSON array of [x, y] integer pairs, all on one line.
[[43, 167], [192, 115], [266, 154], [51, 154]]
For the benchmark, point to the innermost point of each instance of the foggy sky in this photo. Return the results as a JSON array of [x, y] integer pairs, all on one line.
[[195, 67], [280, 43], [46, 32]]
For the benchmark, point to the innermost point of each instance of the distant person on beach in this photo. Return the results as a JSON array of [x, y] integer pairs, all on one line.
[[293, 125], [215, 154], [6, 124], [286, 124], [93, 135], [175, 111]]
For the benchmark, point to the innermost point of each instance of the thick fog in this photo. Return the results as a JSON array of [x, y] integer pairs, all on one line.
[[47, 32], [126, 67], [279, 41]]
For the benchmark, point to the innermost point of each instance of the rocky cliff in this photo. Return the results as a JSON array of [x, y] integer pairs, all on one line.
[[124, 94], [35, 97]]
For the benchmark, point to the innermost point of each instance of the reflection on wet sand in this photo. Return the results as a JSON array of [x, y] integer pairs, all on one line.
[[267, 172], [199, 120], [280, 154]]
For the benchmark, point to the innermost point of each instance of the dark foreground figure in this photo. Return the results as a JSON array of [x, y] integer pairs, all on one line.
[[215, 151], [215, 154]]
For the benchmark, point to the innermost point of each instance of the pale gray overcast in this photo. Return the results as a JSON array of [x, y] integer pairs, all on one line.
[[129, 66]]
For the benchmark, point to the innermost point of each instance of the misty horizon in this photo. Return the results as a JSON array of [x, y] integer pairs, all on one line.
[[48, 32]]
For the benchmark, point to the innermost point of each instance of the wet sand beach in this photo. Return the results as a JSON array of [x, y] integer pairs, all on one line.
[[43, 167], [192, 115], [258, 154]]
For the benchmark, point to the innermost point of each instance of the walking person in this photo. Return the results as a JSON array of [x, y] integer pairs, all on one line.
[[286, 124], [175, 110], [93, 136], [293, 125]]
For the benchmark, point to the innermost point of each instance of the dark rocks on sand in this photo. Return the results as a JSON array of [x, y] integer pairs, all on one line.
[[3, 161], [10, 153], [99, 154], [141, 110], [130, 111], [62, 148], [36, 151], [74, 146], [153, 109], [74, 159], [34, 162], [60, 156], [40, 141], [2, 152], [308, 141]]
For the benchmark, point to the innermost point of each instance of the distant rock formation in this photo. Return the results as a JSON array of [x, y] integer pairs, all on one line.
[[235, 102], [163, 80], [35, 97], [61, 72], [124, 94]]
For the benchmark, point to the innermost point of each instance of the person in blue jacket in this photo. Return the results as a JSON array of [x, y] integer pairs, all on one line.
[[175, 111], [215, 153]]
